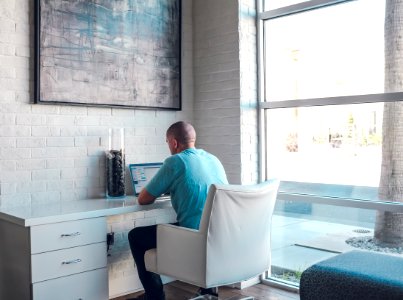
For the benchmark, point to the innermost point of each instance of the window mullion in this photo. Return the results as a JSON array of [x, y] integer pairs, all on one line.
[[342, 100], [297, 8]]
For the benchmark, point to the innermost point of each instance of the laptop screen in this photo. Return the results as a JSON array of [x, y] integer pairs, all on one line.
[[141, 175]]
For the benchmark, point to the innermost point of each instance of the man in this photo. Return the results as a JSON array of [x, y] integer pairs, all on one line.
[[187, 176]]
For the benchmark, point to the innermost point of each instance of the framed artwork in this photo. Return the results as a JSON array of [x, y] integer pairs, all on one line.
[[123, 53]]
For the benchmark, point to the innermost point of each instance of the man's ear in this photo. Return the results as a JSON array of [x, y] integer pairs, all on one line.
[[175, 143]]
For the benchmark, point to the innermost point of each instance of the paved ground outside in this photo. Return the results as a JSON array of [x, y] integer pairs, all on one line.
[[299, 242]]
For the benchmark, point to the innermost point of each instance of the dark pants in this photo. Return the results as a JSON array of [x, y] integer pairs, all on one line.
[[142, 239]]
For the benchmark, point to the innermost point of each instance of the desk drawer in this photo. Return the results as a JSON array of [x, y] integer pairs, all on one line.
[[64, 262], [63, 235], [92, 285]]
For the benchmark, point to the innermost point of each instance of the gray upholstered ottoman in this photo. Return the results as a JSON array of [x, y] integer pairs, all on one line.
[[355, 275]]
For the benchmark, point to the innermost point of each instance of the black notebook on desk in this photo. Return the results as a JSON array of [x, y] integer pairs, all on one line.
[[141, 175]]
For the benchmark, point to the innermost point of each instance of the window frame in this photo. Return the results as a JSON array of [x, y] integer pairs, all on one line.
[[264, 106]]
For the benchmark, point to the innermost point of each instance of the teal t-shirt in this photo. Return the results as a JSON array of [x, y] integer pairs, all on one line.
[[187, 176]]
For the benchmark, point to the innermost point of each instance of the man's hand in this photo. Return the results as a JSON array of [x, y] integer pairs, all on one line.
[[145, 197]]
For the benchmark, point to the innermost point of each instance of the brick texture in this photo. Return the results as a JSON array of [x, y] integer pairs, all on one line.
[[51, 153], [225, 110], [62, 143]]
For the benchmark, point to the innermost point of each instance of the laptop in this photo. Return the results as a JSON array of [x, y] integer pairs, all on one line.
[[141, 175]]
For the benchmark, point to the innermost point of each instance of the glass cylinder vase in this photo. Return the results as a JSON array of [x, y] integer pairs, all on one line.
[[115, 164]]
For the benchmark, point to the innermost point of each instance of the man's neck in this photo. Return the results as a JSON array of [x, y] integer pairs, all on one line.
[[184, 147]]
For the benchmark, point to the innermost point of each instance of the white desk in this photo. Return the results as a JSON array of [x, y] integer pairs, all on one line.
[[58, 251]]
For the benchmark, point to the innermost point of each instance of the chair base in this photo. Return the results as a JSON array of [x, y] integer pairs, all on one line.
[[205, 297], [210, 297]]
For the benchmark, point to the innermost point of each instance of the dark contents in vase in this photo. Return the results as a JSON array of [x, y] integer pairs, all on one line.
[[115, 173]]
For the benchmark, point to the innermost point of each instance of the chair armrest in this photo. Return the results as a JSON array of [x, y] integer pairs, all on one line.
[[181, 253], [174, 229]]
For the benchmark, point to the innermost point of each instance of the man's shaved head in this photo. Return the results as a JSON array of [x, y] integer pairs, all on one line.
[[183, 132]]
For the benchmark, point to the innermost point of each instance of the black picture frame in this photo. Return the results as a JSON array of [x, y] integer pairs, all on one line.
[[123, 54]]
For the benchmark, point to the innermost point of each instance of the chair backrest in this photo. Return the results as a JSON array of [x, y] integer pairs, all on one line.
[[236, 222]]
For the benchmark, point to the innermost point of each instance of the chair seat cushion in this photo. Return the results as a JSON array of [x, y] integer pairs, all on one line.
[[150, 259], [354, 275]]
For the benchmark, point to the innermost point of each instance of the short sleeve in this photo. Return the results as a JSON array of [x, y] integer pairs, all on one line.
[[163, 180]]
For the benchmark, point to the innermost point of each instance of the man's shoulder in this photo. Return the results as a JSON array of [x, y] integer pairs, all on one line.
[[208, 154], [174, 161], [192, 153], [203, 152]]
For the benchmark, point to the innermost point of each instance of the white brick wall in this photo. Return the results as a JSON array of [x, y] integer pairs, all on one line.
[[225, 84], [216, 73], [55, 153], [248, 95], [66, 143]]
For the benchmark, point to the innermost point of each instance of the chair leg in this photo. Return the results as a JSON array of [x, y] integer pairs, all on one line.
[[205, 297], [207, 294], [210, 297], [215, 291]]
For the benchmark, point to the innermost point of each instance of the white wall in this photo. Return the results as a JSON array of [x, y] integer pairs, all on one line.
[[248, 92], [54, 153], [51, 153], [225, 84], [123, 277]]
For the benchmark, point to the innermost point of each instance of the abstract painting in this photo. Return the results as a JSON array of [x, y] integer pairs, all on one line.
[[123, 53]]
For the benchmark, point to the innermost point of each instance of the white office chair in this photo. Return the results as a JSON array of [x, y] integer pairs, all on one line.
[[231, 245]]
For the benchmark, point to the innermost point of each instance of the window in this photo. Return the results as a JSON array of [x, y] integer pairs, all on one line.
[[331, 91], [337, 144], [273, 4], [332, 51]]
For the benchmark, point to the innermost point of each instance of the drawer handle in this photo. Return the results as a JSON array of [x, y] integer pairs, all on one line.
[[71, 234], [69, 262]]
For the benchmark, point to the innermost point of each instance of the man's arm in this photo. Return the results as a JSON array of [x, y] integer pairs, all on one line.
[[145, 197]]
